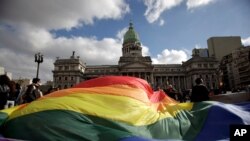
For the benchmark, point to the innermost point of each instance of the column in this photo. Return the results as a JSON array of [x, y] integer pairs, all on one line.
[[210, 81], [161, 80], [167, 80], [184, 82], [152, 78], [179, 83]]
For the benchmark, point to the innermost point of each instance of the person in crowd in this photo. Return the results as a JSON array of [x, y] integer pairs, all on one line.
[[18, 94], [170, 91], [12, 95], [33, 92], [184, 95], [199, 91], [52, 89], [4, 90]]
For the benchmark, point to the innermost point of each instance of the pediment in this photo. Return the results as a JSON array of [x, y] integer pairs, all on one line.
[[136, 65]]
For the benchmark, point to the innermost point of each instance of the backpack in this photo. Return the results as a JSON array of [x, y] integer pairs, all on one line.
[[4, 94], [4, 88], [29, 94]]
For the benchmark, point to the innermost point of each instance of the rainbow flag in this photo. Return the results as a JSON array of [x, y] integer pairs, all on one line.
[[119, 108]]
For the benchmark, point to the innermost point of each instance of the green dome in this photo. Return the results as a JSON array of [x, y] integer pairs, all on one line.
[[131, 35]]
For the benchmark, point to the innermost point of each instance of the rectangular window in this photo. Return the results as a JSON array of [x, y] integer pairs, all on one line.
[[66, 67], [60, 67]]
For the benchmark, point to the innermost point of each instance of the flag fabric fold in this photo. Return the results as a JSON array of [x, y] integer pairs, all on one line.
[[119, 108]]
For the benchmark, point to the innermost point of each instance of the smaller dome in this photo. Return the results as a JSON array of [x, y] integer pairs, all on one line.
[[131, 36]]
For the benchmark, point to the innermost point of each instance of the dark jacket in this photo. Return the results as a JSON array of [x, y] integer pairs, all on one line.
[[4, 94], [199, 93], [32, 93]]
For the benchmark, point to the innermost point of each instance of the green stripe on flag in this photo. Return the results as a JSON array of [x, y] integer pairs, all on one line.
[[70, 125]]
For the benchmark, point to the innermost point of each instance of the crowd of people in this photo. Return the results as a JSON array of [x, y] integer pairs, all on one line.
[[197, 94], [12, 94]]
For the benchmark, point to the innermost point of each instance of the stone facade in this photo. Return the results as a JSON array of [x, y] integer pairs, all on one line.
[[235, 68], [68, 72], [202, 52], [204, 67], [218, 47], [133, 63]]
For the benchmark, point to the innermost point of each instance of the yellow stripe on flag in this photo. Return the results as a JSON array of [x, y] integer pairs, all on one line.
[[118, 108]]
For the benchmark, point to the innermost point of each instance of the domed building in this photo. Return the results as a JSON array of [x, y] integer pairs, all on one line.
[[133, 63], [131, 43]]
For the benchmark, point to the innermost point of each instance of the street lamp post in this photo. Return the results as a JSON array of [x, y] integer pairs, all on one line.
[[38, 59]]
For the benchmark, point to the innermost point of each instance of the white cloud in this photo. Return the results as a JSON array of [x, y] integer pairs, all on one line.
[[191, 4], [25, 30], [188, 52], [246, 41], [170, 57], [54, 14], [17, 53], [26, 24], [94, 52], [24, 42], [161, 22], [156, 7], [145, 51], [121, 33], [197, 46]]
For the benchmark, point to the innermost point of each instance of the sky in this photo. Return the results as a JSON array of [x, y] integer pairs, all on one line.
[[94, 29]]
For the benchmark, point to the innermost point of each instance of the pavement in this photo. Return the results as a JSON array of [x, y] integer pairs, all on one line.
[[232, 97]]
